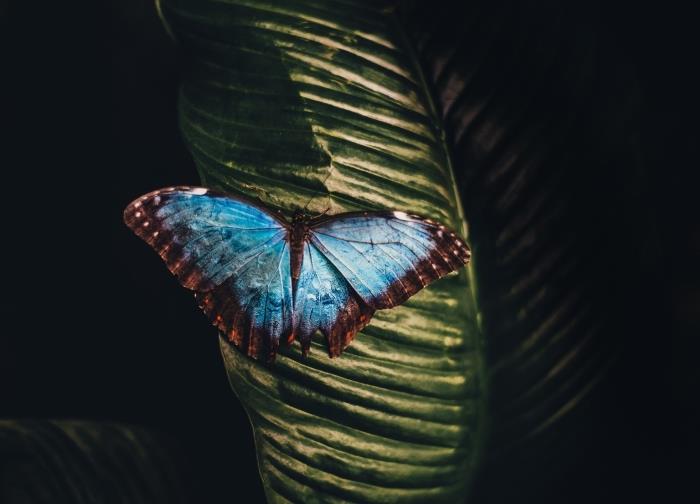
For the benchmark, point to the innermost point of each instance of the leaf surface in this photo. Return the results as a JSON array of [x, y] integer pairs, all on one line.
[[323, 105], [76, 462], [541, 112]]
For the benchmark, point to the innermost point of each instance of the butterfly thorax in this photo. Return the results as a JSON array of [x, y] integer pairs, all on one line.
[[298, 236]]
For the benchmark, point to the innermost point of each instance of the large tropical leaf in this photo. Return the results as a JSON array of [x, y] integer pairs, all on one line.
[[76, 462], [540, 107], [323, 104]]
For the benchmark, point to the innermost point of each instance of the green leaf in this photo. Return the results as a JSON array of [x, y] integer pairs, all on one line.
[[542, 114], [76, 462], [323, 104]]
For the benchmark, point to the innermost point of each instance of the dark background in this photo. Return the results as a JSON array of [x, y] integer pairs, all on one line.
[[100, 330], [96, 328]]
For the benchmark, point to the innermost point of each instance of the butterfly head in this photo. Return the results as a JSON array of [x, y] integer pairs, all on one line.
[[300, 216], [304, 216]]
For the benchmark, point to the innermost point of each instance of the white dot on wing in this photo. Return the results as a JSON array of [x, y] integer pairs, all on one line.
[[145, 224], [198, 190], [137, 214]]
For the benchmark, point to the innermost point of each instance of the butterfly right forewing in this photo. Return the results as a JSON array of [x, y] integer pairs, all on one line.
[[389, 256]]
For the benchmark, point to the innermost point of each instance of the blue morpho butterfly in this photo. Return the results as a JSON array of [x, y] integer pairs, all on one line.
[[262, 280]]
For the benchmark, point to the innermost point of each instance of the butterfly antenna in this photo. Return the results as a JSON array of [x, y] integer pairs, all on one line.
[[330, 172]]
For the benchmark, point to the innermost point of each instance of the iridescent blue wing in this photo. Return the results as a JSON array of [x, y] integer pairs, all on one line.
[[324, 301], [388, 256], [232, 253]]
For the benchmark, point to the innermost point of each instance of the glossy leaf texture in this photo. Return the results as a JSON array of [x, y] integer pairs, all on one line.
[[323, 105], [541, 110], [76, 462]]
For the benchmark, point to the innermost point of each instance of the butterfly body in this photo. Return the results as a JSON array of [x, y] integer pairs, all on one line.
[[262, 279], [298, 235]]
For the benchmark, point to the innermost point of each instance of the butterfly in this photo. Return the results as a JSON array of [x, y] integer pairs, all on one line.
[[263, 280]]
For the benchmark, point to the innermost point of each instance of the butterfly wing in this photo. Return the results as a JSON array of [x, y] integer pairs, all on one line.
[[233, 254], [388, 256], [324, 301], [253, 308]]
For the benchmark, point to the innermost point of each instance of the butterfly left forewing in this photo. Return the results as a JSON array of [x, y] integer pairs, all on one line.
[[201, 234], [231, 252]]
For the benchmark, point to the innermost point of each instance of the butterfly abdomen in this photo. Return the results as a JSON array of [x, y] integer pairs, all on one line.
[[298, 236]]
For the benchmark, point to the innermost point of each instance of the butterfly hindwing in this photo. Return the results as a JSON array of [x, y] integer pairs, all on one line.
[[231, 252], [326, 302], [388, 256], [253, 309]]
